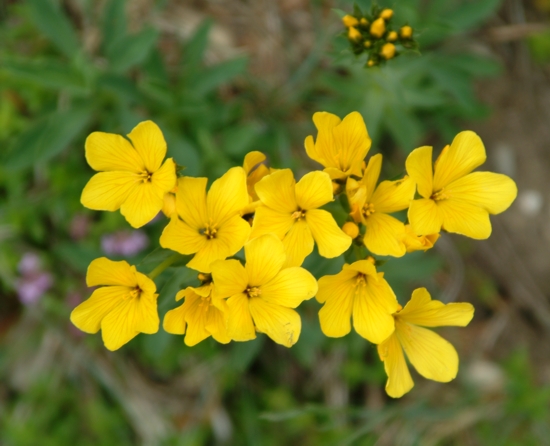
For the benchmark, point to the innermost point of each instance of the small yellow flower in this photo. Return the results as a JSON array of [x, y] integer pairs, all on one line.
[[406, 32], [455, 199], [201, 315], [431, 355], [386, 14], [388, 51], [378, 28], [351, 229], [131, 178], [124, 307], [371, 205], [341, 145], [349, 20], [290, 211], [360, 291], [262, 294], [415, 242], [353, 33], [209, 226], [392, 36]]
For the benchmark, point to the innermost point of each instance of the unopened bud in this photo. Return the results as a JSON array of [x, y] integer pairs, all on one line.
[[378, 28], [406, 32], [392, 36], [371, 259], [367, 44], [353, 33], [386, 14], [371, 63], [351, 229], [364, 21], [349, 20], [388, 51]]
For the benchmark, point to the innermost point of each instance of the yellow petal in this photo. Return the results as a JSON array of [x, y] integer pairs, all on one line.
[[373, 307], [290, 287], [337, 292], [425, 216], [371, 175], [277, 191], [364, 267], [180, 237], [422, 310], [419, 167], [196, 316], [415, 242], [107, 151], [215, 325], [149, 143], [331, 240], [174, 321], [268, 221], [281, 324], [147, 314], [464, 155], [88, 315], [229, 239], [431, 355], [464, 218], [323, 151], [393, 196], [492, 191], [265, 257], [238, 319], [191, 201], [164, 179], [142, 205], [107, 191], [312, 150], [351, 140], [169, 205], [384, 235], [227, 196], [298, 243], [314, 190], [229, 277], [251, 160], [399, 378], [103, 271]]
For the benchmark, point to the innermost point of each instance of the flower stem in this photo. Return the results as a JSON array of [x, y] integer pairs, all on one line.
[[162, 266]]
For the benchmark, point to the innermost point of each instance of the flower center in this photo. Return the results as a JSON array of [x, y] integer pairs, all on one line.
[[209, 232], [134, 293], [253, 291], [146, 176], [368, 210], [439, 195], [205, 303], [299, 214]]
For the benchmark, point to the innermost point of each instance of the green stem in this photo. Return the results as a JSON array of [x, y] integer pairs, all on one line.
[[160, 268]]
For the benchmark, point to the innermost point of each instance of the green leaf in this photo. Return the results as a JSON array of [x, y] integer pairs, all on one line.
[[55, 25], [184, 153], [131, 50], [472, 13], [193, 52], [156, 257], [238, 140], [47, 138], [213, 77], [113, 23]]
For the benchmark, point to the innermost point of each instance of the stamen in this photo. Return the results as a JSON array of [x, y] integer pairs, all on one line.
[[209, 232], [253, 291], [299, 214], [146, 176], [439, 195], [368, 209]]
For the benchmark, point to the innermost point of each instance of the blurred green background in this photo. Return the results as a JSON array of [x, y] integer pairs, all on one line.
[[222, 78]]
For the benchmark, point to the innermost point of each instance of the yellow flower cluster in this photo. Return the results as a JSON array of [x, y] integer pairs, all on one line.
[[372, 33], [277, 221]]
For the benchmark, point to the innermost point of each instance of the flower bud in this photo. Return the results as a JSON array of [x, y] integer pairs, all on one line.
[[349, 20], [371, 63], [353, 34], [378, 28], [388, 51], [367, 44], [386, 14], [392, 36], [406, 32], [364, 21], [351, 229]]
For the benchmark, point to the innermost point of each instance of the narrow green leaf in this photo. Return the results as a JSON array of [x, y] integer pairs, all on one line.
[[132, 50], [114, 23], [55, 25], [193, 52], [213, 77]]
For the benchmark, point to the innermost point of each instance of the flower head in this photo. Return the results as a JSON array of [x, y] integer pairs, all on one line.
[[341, 145], [262, 294], [131, 176], [358, 291], [289, 210], [201, 315], [371, 205], [123, 307], [415, 242], [431, 355], [208, 225], [453, 198]]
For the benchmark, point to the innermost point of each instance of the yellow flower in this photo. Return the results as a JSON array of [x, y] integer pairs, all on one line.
[[388, 51], [289, 210], [209, 226], [378, 28], [415, 242], [406, 32], [131, 178], [341, 145], [371, 206], [349, 20], [255, 170], [386, 14], [453, 198], [124, 307], [200, 316], [431, 355], [262, 294], [360, 291]]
